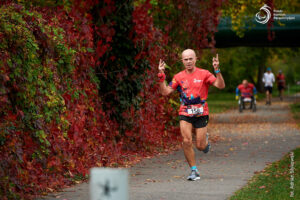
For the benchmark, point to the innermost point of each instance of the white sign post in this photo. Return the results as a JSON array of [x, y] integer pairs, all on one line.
[[108, 184]]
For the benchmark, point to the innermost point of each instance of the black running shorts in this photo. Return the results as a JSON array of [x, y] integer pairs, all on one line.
[[197, 122], [280, 87], [269, 88]]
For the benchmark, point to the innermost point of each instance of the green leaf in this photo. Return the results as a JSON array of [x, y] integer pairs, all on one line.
[[90, 50], [167, 67]]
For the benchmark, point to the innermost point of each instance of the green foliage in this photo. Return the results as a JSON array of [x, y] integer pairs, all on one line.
[[292, 89], [35, 59], [121, 76], [237, 64], [221, 101], [45, 3], [247, 62], [285, 59], [52, 126], [295, 108], [243, 11]]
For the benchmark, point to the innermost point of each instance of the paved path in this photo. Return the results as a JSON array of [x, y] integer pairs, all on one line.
[[248, 142]]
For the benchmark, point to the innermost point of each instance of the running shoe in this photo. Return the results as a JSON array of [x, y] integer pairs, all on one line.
[[193, 176], [207, 148]]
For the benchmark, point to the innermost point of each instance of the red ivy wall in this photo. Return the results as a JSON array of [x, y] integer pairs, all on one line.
[[85, 136]]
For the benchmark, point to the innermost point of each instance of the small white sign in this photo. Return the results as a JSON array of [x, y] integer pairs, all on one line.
[[108, 184]]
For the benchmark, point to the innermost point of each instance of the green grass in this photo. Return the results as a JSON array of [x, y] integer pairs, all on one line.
[[221, 101], [292, 90], [217, 102], [274, 181], [295, 108]]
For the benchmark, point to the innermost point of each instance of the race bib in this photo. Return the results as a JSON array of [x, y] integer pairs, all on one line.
[[195, 110]]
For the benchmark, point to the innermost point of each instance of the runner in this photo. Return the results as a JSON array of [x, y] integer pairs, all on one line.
[[192, 84], [268, 79], [280, 83]]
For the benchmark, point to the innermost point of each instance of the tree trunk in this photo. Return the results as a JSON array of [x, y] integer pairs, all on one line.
[[260, 84]]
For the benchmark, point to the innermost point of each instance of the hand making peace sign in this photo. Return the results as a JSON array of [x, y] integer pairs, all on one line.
[[161, 66]]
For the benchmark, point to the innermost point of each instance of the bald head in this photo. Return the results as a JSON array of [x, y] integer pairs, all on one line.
[[189, 60], [188, 52], [245, 83]]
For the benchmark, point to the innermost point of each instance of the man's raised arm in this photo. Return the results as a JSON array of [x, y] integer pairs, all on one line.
[[219, 82], [163, 88]]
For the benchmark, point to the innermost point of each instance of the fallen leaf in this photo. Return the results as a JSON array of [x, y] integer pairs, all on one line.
[[50, 189], [150, 180]]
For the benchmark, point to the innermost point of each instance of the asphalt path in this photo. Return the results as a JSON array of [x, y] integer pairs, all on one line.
[[247, 143]]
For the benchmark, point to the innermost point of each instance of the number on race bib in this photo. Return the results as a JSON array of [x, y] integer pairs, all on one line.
[[195, 110]]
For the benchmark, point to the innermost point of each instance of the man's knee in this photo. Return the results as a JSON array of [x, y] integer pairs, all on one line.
[[187, 142], [200, 146]]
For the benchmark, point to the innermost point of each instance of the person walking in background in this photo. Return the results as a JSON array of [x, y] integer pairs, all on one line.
[[280, 79], [268, 80]]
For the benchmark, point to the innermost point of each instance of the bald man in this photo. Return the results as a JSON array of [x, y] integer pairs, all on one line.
[[192, 83], [247, 90]]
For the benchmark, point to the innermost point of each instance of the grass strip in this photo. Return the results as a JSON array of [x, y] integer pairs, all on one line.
[[279, 180]]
